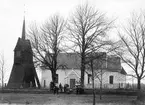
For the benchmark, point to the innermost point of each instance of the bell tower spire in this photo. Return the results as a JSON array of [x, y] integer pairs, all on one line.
[[23, 28]]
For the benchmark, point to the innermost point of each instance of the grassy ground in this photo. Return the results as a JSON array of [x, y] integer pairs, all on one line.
[[64, 99]]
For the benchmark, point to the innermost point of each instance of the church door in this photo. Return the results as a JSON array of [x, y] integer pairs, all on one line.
[[72, 83]]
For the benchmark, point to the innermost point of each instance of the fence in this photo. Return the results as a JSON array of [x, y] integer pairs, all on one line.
[[114, 86]]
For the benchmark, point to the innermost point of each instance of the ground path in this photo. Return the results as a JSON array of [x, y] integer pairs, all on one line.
[[63, 99]]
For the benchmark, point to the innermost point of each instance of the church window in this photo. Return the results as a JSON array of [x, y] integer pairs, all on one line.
[[111, 79], [89, 78]]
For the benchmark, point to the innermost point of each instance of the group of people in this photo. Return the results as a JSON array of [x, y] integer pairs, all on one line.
[[56, 88]]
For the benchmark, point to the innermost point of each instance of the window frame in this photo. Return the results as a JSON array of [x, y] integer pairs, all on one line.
[[89, 78], [111, 79]]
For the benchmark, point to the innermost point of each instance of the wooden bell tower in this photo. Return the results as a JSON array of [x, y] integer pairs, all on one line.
[[23, 74]]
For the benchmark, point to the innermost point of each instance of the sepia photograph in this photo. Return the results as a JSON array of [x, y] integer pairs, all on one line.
[[72, 52]]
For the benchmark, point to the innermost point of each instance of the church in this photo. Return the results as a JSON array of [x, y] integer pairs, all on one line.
[[111, 74], [23, 74]]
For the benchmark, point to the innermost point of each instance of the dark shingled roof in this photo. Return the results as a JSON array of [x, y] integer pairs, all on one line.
[[23, 45], [70, 60], [73, 60]]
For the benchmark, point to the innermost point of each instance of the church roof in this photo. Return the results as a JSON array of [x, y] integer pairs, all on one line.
[[73, 61], [69, 60]]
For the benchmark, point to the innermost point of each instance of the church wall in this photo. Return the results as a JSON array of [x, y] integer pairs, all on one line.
[[47, 77], [64, 77], [119, 81]]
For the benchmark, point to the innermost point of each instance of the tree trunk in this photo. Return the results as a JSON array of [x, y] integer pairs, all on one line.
[[82, 76], [101, 86], [53, 76], [93, 82], [138, 83], [141, 93], [2, 80], [100, 92], [82, 71], [93, 90]]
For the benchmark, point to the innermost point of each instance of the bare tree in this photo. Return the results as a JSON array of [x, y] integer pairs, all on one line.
[[46, 43], [132, 46], [95, 64], [93, 84], [99, 76], [2, 69], [86, 27]]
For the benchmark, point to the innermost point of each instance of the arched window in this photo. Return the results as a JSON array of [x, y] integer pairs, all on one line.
[[111, 79]]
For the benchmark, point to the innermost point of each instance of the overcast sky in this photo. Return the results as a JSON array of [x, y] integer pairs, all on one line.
[[12, 12]]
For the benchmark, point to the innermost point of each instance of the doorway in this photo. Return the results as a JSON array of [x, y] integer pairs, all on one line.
[[72, 83]]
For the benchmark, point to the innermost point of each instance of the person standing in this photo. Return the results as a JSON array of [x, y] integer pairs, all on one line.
[[56, 88], [60, 87]]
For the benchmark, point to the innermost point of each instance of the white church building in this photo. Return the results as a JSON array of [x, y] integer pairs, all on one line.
[[110, 74]]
